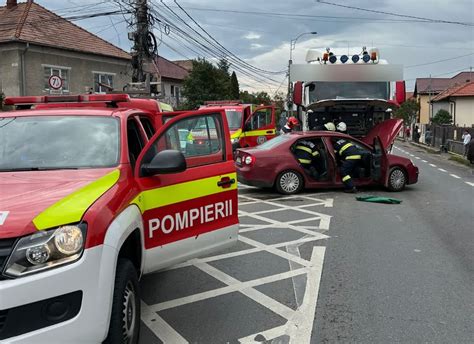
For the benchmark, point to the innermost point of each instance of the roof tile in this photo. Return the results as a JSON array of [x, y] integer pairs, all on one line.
[[30, 22]]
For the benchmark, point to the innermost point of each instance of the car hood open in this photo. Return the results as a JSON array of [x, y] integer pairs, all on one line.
[[387, 131]]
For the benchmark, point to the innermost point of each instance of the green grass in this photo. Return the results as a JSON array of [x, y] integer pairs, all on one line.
[[460, 160]]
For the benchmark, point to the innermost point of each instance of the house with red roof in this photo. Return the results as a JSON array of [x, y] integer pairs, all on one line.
[[36, 44], [428, 88], [458, 100]]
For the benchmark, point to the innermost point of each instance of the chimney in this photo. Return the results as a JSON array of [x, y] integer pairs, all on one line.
[[11, 4]]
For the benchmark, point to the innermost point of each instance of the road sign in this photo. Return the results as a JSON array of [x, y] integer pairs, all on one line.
[[55, 82]]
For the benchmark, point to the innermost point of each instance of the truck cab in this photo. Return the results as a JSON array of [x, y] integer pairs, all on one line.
[[358, 90], [248, 127]]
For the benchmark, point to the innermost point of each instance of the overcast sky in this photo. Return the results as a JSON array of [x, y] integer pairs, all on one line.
[[262, 36]]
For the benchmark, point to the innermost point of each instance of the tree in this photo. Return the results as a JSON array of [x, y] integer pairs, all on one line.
[[205, 82], [442, 117], [408, 111], [234, 86]]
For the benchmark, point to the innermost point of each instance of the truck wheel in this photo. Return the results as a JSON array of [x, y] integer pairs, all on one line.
[[125, 318], [289, 182], [397, 179]]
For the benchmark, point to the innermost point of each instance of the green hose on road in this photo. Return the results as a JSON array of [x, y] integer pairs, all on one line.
[[378, 199]]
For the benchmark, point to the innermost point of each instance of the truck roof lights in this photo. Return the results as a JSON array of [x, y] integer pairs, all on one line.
[[355, 58], [333, 58], [344, 58], [86, 98], [366, 57]]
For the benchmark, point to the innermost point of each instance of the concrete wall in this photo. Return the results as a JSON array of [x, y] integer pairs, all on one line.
[[464, 111], [80, 69], [424, 108], [9, 70]]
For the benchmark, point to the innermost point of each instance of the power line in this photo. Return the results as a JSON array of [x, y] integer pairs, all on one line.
[[438, 61], [396, 14]]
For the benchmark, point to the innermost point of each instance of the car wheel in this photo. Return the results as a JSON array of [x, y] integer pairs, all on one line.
[[289, 182], [125, 318], [397, 179]]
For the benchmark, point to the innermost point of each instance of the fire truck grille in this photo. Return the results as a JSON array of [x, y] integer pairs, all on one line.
[[6, 246]]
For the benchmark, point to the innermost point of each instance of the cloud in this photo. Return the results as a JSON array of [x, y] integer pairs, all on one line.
[[252, 35]]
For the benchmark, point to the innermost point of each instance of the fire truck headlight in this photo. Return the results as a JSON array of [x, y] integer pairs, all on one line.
[[46, 250], [344, 58], [234, 140], [355, 58]]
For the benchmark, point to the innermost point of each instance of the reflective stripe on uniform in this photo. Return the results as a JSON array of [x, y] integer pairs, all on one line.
[[304, 161], [72, 207], [315, 153], [353, 157], [347, 145], [346, 178], [163, 196], [306, 149]]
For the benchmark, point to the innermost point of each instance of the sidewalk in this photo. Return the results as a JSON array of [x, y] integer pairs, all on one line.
[[449, 156]]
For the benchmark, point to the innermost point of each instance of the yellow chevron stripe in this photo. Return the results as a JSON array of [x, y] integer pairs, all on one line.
[[72, 207], [171, 194]]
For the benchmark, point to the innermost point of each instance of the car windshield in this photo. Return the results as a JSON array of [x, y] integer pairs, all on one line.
[[58, 142], [273, 142], [234, 119], [338, 90]]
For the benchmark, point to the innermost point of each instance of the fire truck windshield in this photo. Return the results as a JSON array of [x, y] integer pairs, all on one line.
[[337, 90], [58, 142], [234, 119]]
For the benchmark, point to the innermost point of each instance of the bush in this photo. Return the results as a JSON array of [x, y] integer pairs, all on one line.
[[442, 117]]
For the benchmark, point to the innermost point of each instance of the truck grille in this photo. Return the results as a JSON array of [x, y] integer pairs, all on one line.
[[6, 246]]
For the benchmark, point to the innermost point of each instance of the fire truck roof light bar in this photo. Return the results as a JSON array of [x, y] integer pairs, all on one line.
[[86, 98]]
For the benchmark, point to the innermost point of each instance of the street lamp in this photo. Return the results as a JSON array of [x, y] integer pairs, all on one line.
[[290, 61]]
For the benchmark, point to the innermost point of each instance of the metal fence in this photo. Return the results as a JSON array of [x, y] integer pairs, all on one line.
[[444, 137]]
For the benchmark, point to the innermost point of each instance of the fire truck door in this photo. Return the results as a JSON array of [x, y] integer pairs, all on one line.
[[259, 127]]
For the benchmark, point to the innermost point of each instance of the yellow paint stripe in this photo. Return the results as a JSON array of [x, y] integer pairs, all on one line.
[[260, 132], [236, 135], [346, 178], [172, 194], [72, 207], [347, 145], [353, 157]]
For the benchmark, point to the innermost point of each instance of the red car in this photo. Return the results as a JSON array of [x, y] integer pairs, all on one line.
[[273, 164]]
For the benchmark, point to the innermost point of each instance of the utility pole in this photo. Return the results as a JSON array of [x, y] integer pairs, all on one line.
[[140, 37]]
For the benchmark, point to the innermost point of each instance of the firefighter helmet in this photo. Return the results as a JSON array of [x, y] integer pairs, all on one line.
[[330, 126], [342, 127], [292, 121]]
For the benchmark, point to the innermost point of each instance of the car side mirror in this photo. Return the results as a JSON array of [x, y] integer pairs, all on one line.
[[167, 161]]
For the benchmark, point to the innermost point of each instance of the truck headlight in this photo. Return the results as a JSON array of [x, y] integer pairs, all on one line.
[[46, 250], [234, 140]]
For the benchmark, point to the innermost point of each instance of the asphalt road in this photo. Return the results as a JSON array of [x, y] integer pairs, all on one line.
[[323, 267], [402, 273]]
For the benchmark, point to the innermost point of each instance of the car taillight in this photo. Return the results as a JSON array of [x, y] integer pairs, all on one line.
[[248, 160]]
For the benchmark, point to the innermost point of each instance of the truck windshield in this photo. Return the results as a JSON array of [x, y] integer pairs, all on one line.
[[337, 90], [234, 119], [58, 142]]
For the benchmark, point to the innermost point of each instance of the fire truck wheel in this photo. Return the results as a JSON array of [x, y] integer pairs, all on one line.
[[397, 179], [289, 182], [125, 318]]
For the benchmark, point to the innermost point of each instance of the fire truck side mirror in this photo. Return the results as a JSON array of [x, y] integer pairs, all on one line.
[[167, 161], [400, 92], [298, 93]]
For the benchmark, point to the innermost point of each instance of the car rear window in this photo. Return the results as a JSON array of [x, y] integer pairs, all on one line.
[[274, 142]]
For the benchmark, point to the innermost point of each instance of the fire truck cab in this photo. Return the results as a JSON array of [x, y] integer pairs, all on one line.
[[247, 128], [357, 89], [95, 194]]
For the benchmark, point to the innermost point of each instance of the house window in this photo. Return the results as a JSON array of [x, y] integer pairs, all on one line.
[[103, 82], [174, 91], [62, 72]]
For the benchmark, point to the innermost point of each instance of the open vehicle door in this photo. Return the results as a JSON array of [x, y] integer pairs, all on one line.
[[379, 160], [188, 198], [259, 127]]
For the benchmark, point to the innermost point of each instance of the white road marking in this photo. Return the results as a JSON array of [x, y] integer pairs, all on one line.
[[455, 176], [424, 160], [442, 170], [417, 158], [432, 165], [412, 155], [469, 183], [160, 327]]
